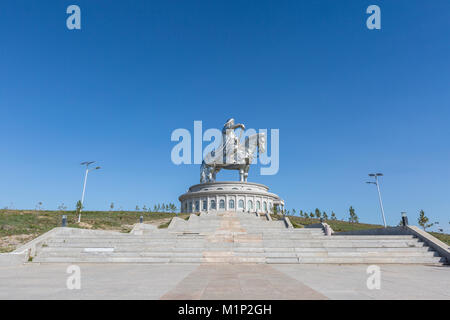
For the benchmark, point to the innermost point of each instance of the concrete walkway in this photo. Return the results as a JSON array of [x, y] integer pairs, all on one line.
[[258, 281], [223, 281]]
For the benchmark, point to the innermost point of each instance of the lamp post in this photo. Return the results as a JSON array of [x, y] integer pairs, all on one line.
[[87, 164], [376, 175], [404, 219]]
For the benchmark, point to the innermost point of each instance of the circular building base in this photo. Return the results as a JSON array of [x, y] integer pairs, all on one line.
[[229, 196]]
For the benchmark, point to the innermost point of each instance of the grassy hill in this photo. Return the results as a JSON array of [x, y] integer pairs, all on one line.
[[20, 226]]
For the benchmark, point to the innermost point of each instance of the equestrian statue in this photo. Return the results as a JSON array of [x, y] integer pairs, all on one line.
[[232, 154]]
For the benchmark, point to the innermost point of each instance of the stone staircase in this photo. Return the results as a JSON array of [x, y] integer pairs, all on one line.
[[230, 237]]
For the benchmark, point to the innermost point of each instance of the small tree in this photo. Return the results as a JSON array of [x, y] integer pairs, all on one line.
[[333, 215], [137, 208], [79, 207], [317, 213], [62, 207], [111, 206], [293, 212], [325, 216], [423, 220], [311, 214], [144, 208], [353, 217]]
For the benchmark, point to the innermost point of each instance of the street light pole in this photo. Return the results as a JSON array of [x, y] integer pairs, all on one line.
[[376, 175], [84, 185], [381, 202], [87, 163]]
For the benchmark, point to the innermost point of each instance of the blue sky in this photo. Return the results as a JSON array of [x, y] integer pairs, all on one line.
[[347, 100]]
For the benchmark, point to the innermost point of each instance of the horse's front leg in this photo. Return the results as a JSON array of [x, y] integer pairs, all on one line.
[[247, 168], [241, 174], [214, 173]]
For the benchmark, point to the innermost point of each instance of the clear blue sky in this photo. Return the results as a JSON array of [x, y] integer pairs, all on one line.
[[347, 100]]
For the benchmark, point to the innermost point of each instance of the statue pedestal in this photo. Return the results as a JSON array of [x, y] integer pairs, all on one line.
[[229, 196]]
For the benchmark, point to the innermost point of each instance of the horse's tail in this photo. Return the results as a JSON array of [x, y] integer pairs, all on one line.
[[202, 172], [202, 166], [261, 142], [255, 142]]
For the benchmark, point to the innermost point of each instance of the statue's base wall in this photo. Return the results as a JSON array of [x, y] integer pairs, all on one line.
[[229, 196]]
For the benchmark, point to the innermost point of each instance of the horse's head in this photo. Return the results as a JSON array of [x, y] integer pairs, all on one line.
[[255, 142]]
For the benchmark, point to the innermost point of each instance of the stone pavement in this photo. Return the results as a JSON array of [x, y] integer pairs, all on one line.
[[223, 281], [256, 281]]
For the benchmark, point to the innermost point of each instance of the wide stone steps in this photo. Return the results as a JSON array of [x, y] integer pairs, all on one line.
[[265, 254], [358, 260], [240, 255], [330, 251], [278, 236], [237, 259], [263, 244], [238, 238]]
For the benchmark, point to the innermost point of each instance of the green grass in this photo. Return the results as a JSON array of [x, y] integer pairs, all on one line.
[[336, 225], [444, 237], [164, 225], [341, 226], [14, 222], [4, 249], [277, 216]]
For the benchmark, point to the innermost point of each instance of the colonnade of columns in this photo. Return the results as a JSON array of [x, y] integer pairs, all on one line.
[[227, 203]]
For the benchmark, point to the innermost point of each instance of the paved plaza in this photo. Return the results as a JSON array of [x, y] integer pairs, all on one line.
[[224, 256], [223, 281]]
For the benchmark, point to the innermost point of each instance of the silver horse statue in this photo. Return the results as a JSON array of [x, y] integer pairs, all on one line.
[[232, 154]]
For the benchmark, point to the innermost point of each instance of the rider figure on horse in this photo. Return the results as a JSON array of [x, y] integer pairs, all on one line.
[[230, 143]]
